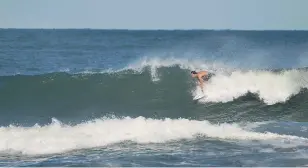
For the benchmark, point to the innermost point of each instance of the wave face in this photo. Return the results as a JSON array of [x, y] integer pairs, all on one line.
[[152, 90]]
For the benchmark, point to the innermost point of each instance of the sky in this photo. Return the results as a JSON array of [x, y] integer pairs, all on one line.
[[156, 14]]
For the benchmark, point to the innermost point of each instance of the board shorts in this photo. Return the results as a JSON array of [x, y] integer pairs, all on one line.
[[207, 77]]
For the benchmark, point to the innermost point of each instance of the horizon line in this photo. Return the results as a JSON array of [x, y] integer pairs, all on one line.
[[135, 29]]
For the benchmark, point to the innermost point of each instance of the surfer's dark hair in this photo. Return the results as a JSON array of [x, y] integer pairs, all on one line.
[[193, 72]]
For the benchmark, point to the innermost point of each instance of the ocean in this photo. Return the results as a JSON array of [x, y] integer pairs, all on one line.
[[126, 98]]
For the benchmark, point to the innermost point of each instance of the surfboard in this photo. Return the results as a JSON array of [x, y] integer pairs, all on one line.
[[195, 100], [199, 97]]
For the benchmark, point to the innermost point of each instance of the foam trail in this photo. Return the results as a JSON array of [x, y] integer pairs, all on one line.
[[271, 87], [56, 138]]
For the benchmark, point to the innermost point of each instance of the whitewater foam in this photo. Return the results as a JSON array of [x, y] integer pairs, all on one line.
[[271, 87], [57, 137]]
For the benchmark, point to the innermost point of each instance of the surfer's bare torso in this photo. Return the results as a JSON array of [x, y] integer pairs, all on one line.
[[199, 75]]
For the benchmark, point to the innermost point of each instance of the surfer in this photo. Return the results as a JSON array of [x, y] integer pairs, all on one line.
[[199, 76]]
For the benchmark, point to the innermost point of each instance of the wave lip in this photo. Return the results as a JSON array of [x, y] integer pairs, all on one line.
[[57, 138]]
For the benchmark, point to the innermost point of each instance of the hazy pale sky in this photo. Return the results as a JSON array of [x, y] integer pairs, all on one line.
[[155, 14]]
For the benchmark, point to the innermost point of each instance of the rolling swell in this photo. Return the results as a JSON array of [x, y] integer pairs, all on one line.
[[167, 92]]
